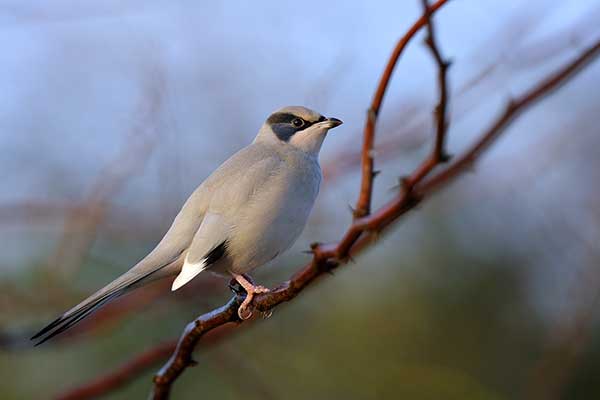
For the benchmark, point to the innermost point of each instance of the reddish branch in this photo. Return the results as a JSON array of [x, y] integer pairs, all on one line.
[[407, 199], [134, 367], [514, 108], [438, 155], [363, 206], [363, 229], [121, 375]]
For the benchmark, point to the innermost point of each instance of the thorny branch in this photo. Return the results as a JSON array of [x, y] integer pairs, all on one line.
[[363, 206], [136, 366], [514, 108], [366, 226], [471, 94], [438, 154]]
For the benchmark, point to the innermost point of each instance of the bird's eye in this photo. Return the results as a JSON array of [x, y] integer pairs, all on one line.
[[297, 122]]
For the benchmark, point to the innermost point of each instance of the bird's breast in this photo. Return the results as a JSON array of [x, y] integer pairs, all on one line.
[[275, 215]]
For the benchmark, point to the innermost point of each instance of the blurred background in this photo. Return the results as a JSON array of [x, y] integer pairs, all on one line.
[[112, 112]]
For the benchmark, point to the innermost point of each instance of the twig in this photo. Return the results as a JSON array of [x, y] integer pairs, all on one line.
[[182, 357], [136, 366], [121, 375], [363, 205], [513, 109], [438, 154], [409, 124]]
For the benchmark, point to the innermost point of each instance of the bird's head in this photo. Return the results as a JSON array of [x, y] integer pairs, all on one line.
[[296, 126]]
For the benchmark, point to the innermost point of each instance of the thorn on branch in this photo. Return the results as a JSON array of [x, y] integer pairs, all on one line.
[[445, 157], [327, 266], [407, 185], [314, 249], [404, 183], [352, 209], [414, 200], [358, 213], [317, 251]]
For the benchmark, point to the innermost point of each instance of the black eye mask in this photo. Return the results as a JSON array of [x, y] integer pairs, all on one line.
[[281, 124]]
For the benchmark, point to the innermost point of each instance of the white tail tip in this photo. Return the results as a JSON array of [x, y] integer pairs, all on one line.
[[188, 272]]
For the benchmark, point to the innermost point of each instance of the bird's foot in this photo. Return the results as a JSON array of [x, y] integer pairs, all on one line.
[[245, 310]]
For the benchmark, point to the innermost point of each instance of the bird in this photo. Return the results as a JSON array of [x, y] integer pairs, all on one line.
[[248, 211]]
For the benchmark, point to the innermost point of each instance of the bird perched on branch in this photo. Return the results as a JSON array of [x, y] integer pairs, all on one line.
[[247, 212]]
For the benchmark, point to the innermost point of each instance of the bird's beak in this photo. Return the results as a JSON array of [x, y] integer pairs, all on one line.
[[330, 123]]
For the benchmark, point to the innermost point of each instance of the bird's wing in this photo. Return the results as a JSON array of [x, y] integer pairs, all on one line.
[[209, 245]]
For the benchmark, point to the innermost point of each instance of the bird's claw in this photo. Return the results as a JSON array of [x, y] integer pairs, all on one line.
[[245, 310], [244, 313]]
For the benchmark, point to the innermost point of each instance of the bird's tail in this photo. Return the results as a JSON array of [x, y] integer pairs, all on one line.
[[110, 292]]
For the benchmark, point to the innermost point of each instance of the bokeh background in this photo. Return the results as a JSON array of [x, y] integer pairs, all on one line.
[[112, 112]]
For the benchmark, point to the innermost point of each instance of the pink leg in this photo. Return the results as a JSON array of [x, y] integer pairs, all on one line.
[[244, 312]]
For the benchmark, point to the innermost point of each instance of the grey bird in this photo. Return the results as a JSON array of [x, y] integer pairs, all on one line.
[[246, 213]]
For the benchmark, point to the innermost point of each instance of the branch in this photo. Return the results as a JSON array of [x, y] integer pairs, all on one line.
[[438, 154], [406, 200], [363, 205], [407, 126], [121, 375], [182, 357], [134, 367], [514, 109]]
